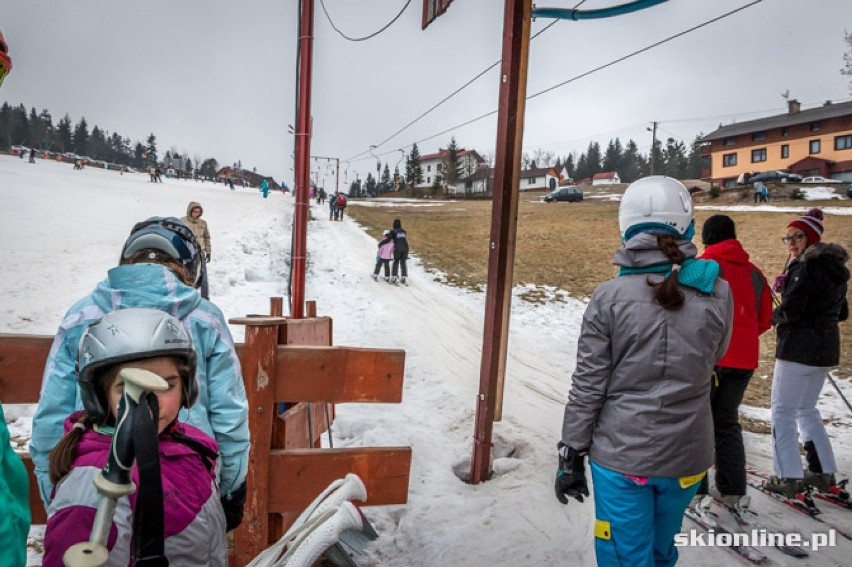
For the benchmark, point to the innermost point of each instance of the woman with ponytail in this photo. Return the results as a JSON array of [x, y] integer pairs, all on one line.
[[639, 404]]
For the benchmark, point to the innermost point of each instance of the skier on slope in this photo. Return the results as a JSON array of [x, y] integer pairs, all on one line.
[[160, 263], [400, 252], [639, 405], [752, 318]]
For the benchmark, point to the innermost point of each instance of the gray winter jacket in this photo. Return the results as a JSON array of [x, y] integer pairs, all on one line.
[[640, 395]]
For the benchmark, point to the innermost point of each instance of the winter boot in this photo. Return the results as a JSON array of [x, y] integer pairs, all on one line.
[[388, 280], [821, 481], [812, 457], [375, 277], [701, 503], [402, 280], [739, 504], [394, 279], [784, 486]]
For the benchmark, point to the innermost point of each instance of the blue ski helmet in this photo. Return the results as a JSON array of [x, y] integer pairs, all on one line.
[[169, 235]]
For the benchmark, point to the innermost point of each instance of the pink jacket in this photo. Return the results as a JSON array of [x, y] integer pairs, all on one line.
[[386, 250]]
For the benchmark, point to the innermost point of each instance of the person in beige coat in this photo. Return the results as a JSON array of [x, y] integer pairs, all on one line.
[[198, 226]]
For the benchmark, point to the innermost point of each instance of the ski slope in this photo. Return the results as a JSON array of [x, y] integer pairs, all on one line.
[[61, 230]]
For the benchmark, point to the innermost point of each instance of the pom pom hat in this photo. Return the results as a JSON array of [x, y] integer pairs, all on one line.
[[810, 224]]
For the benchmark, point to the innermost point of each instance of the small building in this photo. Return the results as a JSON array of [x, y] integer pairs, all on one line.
[[433, 166], [606, 178], [816, 141]]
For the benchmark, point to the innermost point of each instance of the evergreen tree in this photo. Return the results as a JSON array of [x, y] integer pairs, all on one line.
[[387, 182], [139, 155], [695, 161], [63, 131], [20, 126], [582, 170], [613, 157], [209, 167], [151, 149], [370, 186], [452, 166], [97, 144], [631, 163], [570, 169], [674, 159], [413, 167], [5, 126], [45, 129], [655, 159], [81, 138], [593, 158], [35, 130], [437, 184]]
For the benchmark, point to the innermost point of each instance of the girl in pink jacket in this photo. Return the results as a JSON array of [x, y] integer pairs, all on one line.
[[384, 256]]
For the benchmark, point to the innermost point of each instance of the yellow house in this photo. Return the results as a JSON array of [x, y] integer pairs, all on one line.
[[817, 141]]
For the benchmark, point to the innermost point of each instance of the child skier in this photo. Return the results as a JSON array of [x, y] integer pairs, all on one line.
[[400, 252], [384, 256], [639, 404], [193, 522], [160, 262]]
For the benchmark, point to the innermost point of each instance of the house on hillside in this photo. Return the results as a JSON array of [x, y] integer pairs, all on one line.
[[606, 178], [817, 141], [539, 179], [433, 165]]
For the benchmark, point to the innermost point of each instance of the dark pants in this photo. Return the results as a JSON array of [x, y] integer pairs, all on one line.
[[396, 264], [726, 393], [382, 262]]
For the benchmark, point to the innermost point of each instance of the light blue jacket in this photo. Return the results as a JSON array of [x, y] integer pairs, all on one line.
[[221, 410]]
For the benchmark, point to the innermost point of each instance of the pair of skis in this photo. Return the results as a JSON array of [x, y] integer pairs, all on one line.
[[803, 502], [710, 524]]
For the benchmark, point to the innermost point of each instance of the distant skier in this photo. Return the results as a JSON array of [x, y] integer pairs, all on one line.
[[639, 405], [264, 188], [332, 207], [32, 155], [400, 252], [384, 255], [193, 220], [341, 206]]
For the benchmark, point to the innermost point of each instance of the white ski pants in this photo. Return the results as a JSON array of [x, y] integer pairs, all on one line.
[[795, 390]]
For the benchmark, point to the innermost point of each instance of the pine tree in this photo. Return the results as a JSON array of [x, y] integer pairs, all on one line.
[[151, 149], [452, 173], [570, 169], [81, 138], [582, 169], [631, 163], [674, 159], [387, 182], [5, 126], [370, 186], [413, 167], [694, 162], [613, 157], [97, 144], [35, 130], [20, 126], [64, 134], [593, 159]]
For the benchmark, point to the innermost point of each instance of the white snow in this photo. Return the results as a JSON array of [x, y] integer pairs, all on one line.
[[61, 230]]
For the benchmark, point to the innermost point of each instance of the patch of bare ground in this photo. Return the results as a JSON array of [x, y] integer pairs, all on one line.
[[569, 246]]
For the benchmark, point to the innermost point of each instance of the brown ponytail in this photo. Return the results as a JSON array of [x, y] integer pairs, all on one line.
[[668, 294], [153, 256], [62, 456]]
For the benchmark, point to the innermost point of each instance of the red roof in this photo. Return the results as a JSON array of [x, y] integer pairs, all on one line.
[[605, 175]]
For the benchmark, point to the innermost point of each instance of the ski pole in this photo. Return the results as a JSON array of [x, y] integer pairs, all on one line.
[[114, 482], [833, 383]]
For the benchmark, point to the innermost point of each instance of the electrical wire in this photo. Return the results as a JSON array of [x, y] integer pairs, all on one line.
[[586, 74], [451, 95], [366, 37]]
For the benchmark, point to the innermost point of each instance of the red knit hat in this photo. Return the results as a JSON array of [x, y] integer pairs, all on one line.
[[810, 224]]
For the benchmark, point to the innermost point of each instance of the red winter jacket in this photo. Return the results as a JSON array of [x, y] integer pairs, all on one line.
[[752, 303]]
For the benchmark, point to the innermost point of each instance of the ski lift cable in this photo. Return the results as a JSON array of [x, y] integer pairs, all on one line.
[[451, 95], [366, 37], [585, 74]]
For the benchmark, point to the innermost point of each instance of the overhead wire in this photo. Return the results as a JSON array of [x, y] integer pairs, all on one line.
[[366, 37], [582, 75]]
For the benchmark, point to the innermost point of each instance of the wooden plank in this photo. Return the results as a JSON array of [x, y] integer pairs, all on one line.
[[294, 432], [339, 374], [39, 516], [22, 360], [297, 476], [315, 331], [259, 368]]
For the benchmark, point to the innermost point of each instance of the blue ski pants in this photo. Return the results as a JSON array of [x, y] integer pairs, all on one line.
[[636, 519]]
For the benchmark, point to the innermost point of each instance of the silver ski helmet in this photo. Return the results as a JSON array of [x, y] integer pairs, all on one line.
[[169, 235], [125, 335]]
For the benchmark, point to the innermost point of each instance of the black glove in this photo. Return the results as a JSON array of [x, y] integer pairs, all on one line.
[[233, 507], [571, 475], [207, 258]]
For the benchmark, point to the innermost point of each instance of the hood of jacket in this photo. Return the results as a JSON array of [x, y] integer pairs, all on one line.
[[830, 257], [145, 285], [191, 206], [642, 251], [730, 250]]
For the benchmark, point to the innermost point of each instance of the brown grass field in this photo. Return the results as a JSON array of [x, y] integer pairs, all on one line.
[[570, 246]]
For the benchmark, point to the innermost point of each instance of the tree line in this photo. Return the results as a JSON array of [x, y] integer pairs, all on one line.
[[37, 130]]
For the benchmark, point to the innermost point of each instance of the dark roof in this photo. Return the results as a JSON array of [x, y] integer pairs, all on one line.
[[824, 112], [535, 172]]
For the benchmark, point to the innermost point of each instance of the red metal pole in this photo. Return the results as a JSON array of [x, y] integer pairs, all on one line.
[[303, 156], [504, 223]]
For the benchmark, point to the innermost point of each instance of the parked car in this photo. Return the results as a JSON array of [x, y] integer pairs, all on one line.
[[570, 194], [819, 179], [770, 176]]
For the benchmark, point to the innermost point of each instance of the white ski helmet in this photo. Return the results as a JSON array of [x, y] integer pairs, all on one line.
[[125, 335], [655, 200]]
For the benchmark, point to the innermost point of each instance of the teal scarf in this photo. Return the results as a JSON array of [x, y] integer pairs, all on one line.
[[699, 274]]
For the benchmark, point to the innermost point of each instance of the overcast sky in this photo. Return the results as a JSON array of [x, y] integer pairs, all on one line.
[[216, 78]]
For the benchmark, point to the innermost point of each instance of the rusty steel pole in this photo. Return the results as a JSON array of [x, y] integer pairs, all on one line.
[[504, 224], [303, 156]]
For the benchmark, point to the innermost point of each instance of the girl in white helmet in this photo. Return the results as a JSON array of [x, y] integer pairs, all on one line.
[[639, 404], [193, 521]]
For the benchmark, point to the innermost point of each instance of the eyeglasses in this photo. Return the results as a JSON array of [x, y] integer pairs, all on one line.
[[786, 239]]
